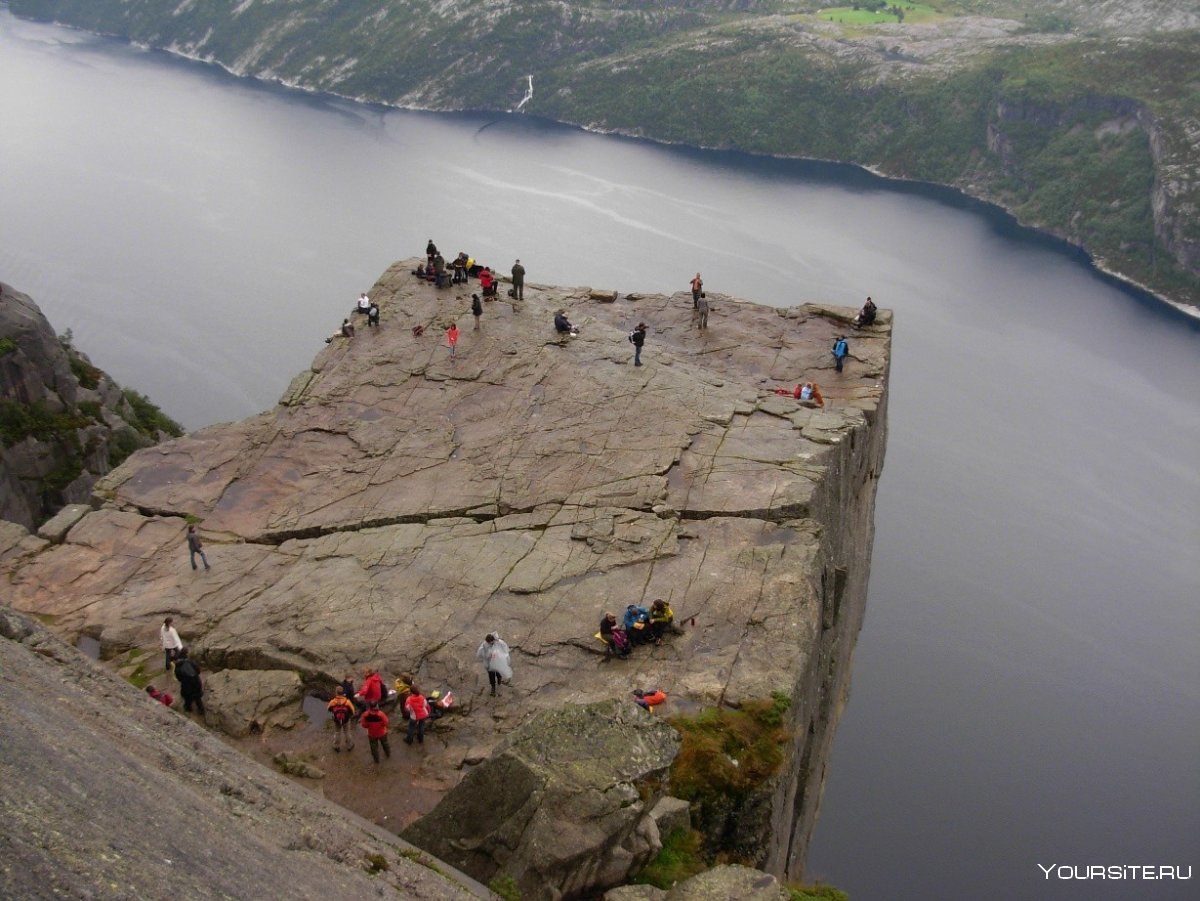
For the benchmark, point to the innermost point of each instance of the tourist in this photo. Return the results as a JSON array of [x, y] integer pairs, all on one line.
[[701, 313], [661, 619], [648, 699], [190, 686], [697, 290], [195, 546], [840, 351], [418, 712], [430, 250], [452, 337], [518, 281], [419, 272], [609, 627], [562, 324], [402, 688], [487, 282], [342, 711], [373, 314], [866, 316], [375, 721], [496, 660], [348, 685], [638, 338], [169, 638], [460, 268], [347, 329], [364, 304], [372, 688], [476, 309], [163, 697], [636, 621]]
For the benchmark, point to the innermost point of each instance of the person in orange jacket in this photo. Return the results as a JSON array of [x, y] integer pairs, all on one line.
[[648, 699], [418, 713]]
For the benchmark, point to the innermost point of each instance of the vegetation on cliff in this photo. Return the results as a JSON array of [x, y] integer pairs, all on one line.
[[1081, 118], [63, 421]]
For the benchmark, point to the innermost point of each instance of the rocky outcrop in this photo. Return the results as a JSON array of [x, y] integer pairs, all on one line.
[[63, 422], [563, 808], [105, 793], [721, 883], [399, 504]]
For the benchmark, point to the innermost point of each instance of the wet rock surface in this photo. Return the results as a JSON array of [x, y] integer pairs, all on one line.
[[398, 504]]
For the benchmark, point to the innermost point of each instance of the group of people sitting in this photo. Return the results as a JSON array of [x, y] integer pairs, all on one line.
[[462, 267], [638, 626], [805, 391]]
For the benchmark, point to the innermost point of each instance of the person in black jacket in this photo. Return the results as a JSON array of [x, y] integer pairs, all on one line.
[[190, 686], [638, 337]]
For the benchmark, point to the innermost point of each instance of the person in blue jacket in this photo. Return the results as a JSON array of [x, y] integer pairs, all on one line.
[[840, 350], [637, 623]]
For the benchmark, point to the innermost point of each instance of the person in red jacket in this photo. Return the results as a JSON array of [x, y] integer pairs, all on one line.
[[375, 721], [487, 281], [418, 712], [372, 688], [163, 697]]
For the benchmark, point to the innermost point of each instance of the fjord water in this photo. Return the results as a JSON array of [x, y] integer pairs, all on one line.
[[1027, 684]]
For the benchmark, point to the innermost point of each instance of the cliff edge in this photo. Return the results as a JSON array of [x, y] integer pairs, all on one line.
[[398, 504]]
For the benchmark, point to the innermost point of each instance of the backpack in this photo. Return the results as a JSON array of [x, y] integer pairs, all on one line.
[[620, 641], [341, 713], [631, 334]]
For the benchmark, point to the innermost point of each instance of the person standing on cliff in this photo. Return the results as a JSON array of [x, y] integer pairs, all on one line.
[[841, 350], [496, 660], [476, 309], [701, 312], [375, 721], [697, 290], [452, 337], [518, 280], [171, 644], [195, 546], [342, 711], [418, 712], [190, 686], [638, 338]]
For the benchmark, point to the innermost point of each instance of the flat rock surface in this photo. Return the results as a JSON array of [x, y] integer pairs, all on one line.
[[399, 504]]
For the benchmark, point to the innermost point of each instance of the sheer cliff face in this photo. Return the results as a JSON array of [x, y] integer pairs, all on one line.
[[63, 422], [398, 504]]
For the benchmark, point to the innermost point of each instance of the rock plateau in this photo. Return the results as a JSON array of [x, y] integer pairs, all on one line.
[[398, 504]]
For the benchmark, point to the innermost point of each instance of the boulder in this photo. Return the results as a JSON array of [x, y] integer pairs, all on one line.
[[56, 528], [563, 806], [239, 702], [670, 814], [725, 883], [298, 765]]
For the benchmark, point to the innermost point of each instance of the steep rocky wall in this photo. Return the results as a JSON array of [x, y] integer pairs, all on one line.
[[63, 422], [398, 504]]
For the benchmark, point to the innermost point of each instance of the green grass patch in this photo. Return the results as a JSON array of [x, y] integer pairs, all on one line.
[[377, 863], [20, 421], [506, 887], [7, 346], [145, 416], [818, 892], [881, 14], [682, 856], [87, 374]]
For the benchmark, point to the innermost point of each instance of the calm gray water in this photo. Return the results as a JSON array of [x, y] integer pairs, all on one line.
[[1027, 685]]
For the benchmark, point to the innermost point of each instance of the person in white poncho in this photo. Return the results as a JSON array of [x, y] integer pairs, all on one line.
[[494, 654]]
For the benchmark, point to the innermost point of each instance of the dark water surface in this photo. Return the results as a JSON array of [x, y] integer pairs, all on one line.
[[1027, 685]]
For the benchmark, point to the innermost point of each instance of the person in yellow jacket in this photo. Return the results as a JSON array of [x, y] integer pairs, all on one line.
[[661, 618]]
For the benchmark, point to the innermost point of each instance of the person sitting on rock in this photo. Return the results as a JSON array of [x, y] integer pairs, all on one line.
[[636, 623], [419, 272], [562, 324], [163, 697], [364, 304], [648, 699], [866, 316], [616, 640], [661, 618]]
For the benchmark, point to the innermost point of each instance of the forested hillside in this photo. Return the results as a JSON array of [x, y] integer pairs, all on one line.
[[1083, 118]]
